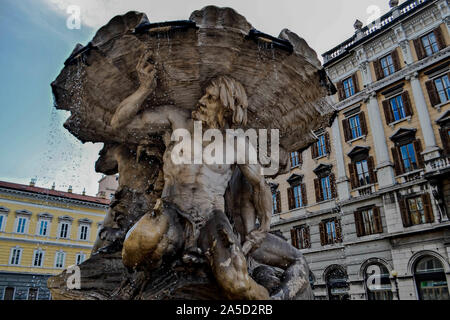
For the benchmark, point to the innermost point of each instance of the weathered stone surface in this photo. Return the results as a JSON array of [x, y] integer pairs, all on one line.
[[283, 89], [183, 230]]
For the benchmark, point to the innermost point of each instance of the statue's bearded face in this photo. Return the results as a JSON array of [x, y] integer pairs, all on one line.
[[210, 109]]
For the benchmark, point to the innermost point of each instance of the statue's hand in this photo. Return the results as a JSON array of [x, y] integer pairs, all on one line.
[[253, 240], [146, 72]]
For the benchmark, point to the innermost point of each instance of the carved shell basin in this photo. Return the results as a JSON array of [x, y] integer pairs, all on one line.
[[285, 89]]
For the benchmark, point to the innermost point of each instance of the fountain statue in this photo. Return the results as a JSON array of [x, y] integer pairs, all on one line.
[[185, 222]]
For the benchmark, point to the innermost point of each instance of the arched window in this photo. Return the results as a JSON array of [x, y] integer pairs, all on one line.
[[430, 279], [337, 285], [378, 284]]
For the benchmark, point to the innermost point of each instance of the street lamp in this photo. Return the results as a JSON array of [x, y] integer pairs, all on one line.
[[394, 274]]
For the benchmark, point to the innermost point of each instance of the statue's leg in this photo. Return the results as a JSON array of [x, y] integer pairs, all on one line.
[[228, 263], [154, 236], [276, 252]]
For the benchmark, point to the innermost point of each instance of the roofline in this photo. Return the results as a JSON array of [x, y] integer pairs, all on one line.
[[37, 191], [377, 32]]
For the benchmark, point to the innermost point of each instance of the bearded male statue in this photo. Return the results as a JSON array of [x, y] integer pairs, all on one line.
[[190, 218]]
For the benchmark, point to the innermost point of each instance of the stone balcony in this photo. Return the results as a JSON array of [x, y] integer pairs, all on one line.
[[437, 167]]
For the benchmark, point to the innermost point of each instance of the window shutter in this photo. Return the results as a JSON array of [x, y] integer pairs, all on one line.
[[278, 196], [340, 89], [327, 143], [347, 132], [333, 185], [432, 93], [396, 60], [337, 223], [378, 70], [404, 213], [363, 123], [418, 150], [378, 221], [445, 140], [428, 208], [420, 51], [307, 237], [407, 103], [397, 164], [318, 190], [371, 166], [314, 151], [300, 157], [304, 195], [353, 177], [358, 224], [439, 38], [323, 237], [294, 238], [291, 200], [355, 82], [387, 111]]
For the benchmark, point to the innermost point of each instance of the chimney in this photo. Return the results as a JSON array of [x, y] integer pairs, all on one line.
[[70, 189], [33, 182], [84, 192], [53, 186]]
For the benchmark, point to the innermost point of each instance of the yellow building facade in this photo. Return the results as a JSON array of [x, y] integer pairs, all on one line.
[[42, 232], [373, 193]]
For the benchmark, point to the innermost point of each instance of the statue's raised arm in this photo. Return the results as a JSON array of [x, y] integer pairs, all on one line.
[[129, 107]]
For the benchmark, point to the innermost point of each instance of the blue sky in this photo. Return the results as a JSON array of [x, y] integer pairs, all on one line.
[[35, 42]]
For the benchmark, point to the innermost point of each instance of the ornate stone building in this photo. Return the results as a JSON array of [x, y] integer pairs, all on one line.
[[42, 232], [369, 203]]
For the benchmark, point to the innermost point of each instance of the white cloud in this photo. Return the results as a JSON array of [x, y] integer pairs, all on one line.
[[323, 23]]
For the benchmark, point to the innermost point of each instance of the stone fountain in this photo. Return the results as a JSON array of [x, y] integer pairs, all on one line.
[[190, 231]]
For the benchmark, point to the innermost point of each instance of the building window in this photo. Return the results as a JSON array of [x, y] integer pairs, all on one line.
[[300, 237], [430, 44], [84, 232], [295, 159], [60, 258], [416, 210], [276, 202], [349, 87], [443, 88], [38, 258], [336, 280], [326, 188], [43, 227], [9, 293], [297, 195], [362, 171], [16, 255], [408, 157], [387, 65], [324, 185], [430, 279], [321, 147], [378, 283], [368, 221], [32, 293], [21, 224], [330, 231], [355, 127], [80, 258], [64, 230], [398, 109], [2, 222]]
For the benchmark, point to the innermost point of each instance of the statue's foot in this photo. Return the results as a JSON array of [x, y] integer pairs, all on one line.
[[111, 248]]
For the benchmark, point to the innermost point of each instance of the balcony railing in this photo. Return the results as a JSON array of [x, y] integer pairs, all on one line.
[[437, 165], [384, 22]]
